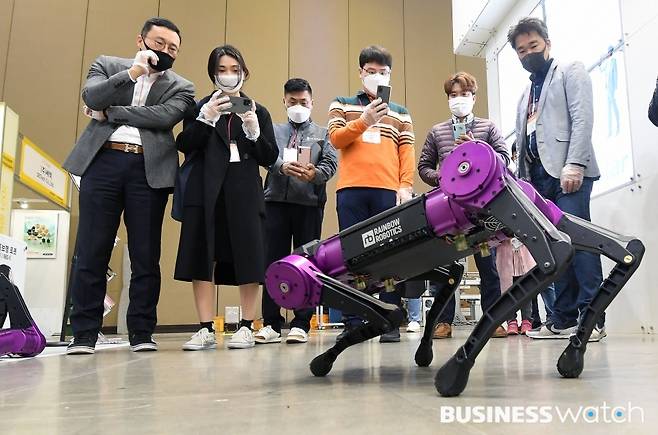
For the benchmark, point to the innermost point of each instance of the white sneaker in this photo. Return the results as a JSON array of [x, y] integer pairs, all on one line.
[[297, 335], [267, 335], [549, 331], [597, 334], [202, 340], [242, 339], [413, 327]]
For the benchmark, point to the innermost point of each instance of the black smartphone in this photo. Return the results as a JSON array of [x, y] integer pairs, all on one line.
[[384, 92], [239, 105]]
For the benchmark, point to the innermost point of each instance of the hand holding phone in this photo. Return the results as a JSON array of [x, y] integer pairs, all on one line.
[[239, 105], [304, 156], [374, 112], [458, 129], [384, 92]]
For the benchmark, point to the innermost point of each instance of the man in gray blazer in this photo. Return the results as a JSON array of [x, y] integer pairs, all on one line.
[[127, 159], [554, 137]]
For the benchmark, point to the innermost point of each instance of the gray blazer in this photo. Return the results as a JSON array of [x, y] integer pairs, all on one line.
[[564, 123], [109, 88]]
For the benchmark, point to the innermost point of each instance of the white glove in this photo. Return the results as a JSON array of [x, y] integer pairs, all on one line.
[[214, 108], [142, 60], [374, 112], [404, 194], [94, 114], [571, 178], [250, 123]]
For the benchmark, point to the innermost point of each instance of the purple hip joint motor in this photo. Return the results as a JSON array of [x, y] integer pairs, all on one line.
[[23, 337], [478, 204]]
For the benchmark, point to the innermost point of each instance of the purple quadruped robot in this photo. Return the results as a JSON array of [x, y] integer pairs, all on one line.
[[23, 337], [480, 203]]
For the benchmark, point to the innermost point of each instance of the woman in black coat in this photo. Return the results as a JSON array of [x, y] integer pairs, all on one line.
[[222, 237]]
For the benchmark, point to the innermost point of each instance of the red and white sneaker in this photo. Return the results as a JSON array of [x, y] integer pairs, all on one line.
[[512, 327], [526, 325]]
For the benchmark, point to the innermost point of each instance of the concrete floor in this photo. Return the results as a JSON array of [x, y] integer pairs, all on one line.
[[374, 388]]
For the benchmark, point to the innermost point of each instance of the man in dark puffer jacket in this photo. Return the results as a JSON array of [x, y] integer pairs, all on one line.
[[460, 89]]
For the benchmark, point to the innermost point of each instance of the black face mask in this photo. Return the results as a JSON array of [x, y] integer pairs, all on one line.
[[534, 62], [165, 61]]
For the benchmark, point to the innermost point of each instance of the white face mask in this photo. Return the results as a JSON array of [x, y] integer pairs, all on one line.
[[461, 106], [298, 113], [229, 82], [371, 81]]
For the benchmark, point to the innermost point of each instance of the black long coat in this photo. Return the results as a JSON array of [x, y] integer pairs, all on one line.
[[241, 208]]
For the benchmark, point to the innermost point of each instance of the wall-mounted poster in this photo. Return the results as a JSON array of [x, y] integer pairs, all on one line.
[[40, 235]]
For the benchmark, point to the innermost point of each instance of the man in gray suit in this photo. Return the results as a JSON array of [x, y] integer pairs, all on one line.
[[127, 159], [554, 137]]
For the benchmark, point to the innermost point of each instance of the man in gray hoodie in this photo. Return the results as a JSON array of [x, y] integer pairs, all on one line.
[[295, 195]]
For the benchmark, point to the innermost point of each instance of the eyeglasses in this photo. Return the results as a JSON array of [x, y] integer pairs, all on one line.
[[160, 45], [385, 71]]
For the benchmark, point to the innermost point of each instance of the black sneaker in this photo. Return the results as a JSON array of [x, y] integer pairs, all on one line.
[[82, 344], [390, 337], [142, 343]]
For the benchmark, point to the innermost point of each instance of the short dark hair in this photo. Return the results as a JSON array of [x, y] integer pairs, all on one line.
[[376, 54], [297, 85], [225, 50], [160, 22], [525, 26]]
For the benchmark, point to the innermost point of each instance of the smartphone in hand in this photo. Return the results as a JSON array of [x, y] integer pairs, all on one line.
[[458, 129], [384, 92], [239, 105], [304, 156]]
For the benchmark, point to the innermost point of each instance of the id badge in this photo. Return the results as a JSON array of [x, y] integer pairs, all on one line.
[[372, 135], [235, 154], [289, 155], [531, 126]]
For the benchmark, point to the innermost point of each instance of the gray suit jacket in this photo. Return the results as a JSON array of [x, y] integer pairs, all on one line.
[[564, 123], [109, 88]]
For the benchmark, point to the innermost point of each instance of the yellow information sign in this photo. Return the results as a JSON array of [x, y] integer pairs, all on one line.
[[43, 174]]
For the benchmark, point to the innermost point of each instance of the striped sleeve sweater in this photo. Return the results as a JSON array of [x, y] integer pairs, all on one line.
[[385, 165]]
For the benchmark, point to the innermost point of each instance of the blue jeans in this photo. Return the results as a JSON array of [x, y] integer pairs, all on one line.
[[575, 289], [413, 309], [354, 205]]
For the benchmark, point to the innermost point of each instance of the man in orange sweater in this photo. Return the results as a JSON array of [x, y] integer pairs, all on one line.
[[376, 154]]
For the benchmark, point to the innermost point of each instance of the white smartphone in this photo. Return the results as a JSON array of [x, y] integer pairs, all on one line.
[[458, 129]]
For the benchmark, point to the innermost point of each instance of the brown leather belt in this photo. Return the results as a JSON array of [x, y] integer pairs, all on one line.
[[125, 147]]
